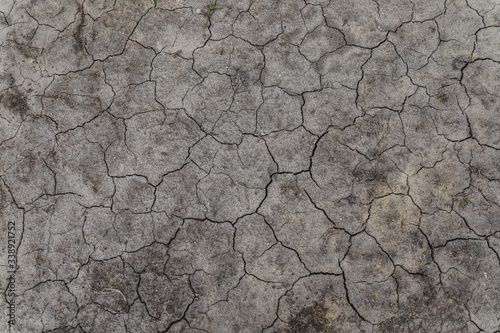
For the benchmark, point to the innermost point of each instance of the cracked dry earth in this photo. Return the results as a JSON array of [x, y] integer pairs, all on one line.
[[266, 166]]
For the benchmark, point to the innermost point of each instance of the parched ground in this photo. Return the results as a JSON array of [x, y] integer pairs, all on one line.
[[250, 166]]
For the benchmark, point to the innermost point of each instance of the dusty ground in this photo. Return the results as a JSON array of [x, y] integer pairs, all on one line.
[[253, 166]]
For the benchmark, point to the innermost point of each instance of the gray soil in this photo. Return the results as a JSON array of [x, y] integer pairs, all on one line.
[[250, 166]]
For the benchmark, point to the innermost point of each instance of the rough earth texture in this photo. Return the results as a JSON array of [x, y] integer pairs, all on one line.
[[250, 166]]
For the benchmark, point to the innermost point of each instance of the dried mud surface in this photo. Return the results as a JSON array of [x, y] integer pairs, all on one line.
[[253, 166]]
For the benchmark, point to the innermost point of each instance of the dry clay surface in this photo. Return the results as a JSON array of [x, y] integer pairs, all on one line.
[[250, 166]]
